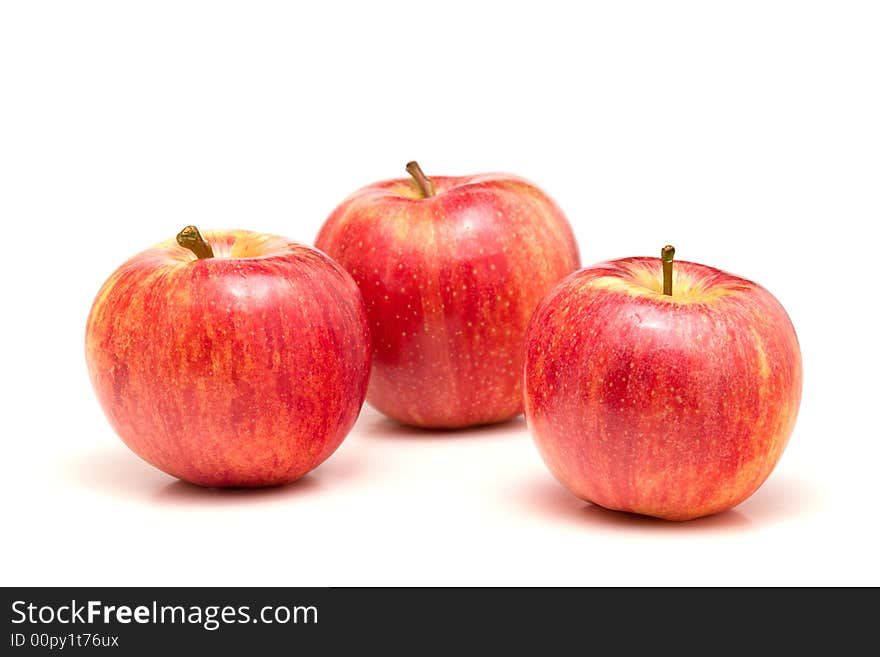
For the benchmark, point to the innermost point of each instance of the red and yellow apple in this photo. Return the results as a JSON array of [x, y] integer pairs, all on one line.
[[451, 269], [666, 393], [230, 359]]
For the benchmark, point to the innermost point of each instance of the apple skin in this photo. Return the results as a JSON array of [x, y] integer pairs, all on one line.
[[670, 406], [450, 282], [246, 369]]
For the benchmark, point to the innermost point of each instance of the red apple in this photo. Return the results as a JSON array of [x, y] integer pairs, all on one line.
[[671, 405], [244, 366], [450, 269]]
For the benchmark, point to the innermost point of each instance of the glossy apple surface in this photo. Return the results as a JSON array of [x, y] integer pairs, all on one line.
[[450, 281], [671, 406], [243, 369]]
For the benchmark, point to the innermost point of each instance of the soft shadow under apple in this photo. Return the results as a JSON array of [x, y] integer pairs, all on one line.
[[549, 499], [119, 473], [380, 427], [777, 500], [781, 498], [114, 471], [181, 493]]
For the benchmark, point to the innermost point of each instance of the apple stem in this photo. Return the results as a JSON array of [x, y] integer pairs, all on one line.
[[426, 186], [190, 238], [666, 255]]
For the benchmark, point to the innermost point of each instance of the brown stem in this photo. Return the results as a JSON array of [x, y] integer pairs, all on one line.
[[190, 238], [426, 186], [666, 255]]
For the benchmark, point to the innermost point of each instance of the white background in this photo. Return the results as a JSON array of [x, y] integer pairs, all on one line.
[[747, 134]]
